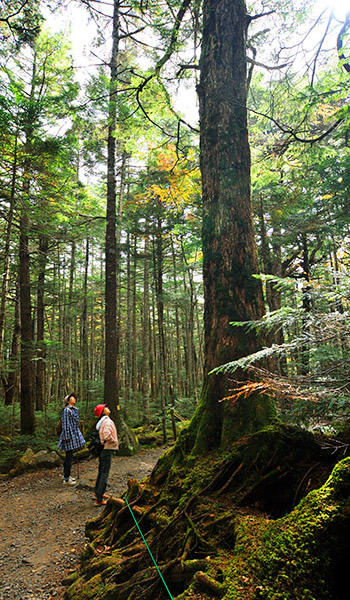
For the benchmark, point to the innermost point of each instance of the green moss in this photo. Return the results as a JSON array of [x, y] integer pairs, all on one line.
[[79, 591], [246, 417], [294, 557], [208, 507]]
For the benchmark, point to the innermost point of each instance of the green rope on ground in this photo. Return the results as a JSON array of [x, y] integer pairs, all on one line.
[[150, 553]]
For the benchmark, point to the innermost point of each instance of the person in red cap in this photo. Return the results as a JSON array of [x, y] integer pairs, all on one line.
[[109, 438]]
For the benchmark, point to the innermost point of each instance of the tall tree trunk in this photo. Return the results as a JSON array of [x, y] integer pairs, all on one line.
[[12, 380], [67, 325], [190, 322], [229, 252], [111, 382], [134, 321], [128, 333], [27, 372], [154, 350], [271, 263], [306, 301], [85, 323], [41, 350], [146, 332], [178, 386], [122, 191], [163, 378], [111, 341], [5, 269]]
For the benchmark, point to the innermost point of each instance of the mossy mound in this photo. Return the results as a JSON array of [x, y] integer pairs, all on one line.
[[263, 519]]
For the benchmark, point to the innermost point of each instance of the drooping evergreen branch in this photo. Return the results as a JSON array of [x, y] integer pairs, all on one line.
[[14, 14]]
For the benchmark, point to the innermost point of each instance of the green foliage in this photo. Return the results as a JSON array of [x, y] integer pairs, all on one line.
[[13, 444], [316, 337], [22, 19]]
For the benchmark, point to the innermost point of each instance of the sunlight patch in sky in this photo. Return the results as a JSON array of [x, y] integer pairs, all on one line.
[[340, 7]]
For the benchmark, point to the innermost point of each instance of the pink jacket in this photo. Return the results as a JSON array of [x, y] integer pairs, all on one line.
[[108, 434]]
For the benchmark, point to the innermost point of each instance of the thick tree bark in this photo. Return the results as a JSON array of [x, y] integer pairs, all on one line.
[[229, 253]]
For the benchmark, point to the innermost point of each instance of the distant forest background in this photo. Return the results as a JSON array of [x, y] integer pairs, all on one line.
[[53, 198]]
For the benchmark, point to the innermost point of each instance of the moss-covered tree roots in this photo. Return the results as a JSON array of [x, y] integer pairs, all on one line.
[[267, 519]]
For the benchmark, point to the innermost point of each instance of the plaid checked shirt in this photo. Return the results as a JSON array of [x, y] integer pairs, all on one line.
[[71, 437]]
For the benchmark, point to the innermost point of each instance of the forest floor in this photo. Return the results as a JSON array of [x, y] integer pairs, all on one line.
[[42, 523]]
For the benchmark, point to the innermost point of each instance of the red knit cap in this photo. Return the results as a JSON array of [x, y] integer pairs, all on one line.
[[99, 409]]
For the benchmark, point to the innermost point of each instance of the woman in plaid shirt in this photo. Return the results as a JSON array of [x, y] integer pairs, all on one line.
[[71, 437]]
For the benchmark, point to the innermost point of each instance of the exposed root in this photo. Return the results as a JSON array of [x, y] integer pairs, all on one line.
[[192, 539], [202, 581]]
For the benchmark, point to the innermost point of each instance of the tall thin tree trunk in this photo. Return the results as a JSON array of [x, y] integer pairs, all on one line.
[[154, 352], [111, 340], [306, 301], [128, 333], [12, 380], [41, 350], [177, 324], [67, 325], [122, 191], [5, 277], [273, 297], [133, 321], [146, 331], [27, 372], [163, 378], [190, 322], [85, 323]]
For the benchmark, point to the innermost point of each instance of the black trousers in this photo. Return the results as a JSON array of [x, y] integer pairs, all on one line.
[[104, 467], [68, 461]]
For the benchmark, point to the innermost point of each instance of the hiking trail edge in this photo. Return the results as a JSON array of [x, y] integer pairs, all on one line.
[[42, 523]]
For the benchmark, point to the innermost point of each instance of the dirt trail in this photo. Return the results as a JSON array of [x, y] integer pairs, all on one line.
[[42, 524]]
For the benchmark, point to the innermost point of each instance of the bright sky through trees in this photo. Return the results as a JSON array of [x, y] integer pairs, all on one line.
[[340, 7]]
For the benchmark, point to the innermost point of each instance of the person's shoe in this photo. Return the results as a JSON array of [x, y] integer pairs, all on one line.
[[103, 496], [102, 503], [70, 481]]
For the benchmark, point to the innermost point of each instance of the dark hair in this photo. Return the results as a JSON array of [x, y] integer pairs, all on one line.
[[66, 400]]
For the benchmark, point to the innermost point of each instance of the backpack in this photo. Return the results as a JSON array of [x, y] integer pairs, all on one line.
[[95, 446], [58, 427]]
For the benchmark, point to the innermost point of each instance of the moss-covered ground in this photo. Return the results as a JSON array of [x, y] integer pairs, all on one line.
[[267, 518]]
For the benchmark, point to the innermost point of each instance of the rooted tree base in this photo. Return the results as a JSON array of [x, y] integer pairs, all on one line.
[[266, 519]]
